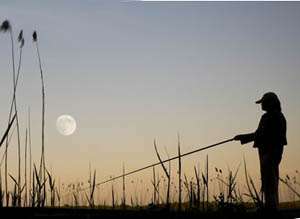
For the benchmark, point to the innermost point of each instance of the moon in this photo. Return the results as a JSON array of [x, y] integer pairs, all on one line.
[[66, 125]]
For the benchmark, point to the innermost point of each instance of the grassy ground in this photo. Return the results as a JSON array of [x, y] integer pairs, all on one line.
[[86, 213]]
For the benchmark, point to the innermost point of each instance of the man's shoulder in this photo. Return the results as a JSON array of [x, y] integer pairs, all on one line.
[[273, 117], [265, 116]]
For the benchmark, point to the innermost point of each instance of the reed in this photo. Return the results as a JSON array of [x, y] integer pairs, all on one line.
[[253, 194], [15, 194], [25, 170], [90, 197], [1, 191], [113, 202], [155, 183], [198, 189], [51, 182], [33, 191], [58, 196], [123, 188], [42, 161], [76, 202], [187, 187], [231, 196], [30, 155], [179, 175], [21, 41], [166, 173], [38, 189], [6, 27], [154, 186], [289, 186], [207, 183]]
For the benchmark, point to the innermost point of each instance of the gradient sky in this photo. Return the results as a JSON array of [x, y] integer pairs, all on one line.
[[131, 72]]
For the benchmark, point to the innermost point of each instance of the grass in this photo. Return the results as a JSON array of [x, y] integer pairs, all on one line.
[[6, 27], [42, 171], [167, 173], [179, 176]]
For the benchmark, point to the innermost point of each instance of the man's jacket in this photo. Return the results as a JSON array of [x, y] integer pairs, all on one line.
[[271, 131]]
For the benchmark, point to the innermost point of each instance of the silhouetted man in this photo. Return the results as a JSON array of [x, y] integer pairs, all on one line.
[[269, 138]]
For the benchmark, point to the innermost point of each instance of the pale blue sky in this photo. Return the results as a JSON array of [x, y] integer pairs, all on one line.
[[130, 72]]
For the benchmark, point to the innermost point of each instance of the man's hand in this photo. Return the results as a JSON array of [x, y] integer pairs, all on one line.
[[238, 138], [245, 138]]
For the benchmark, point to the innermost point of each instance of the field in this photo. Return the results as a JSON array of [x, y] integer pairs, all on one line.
[[84, 213]]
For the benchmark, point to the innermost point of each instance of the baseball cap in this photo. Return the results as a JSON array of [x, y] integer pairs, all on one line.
[[269, 96]]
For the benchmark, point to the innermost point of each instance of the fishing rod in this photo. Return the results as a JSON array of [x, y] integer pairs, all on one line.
[[164, 161]]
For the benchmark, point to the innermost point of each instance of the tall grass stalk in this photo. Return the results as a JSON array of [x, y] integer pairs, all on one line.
[[187, 187], [1, 191], [58, 196], [198, 191], [6, 27], [21, 41], [179, 176], [124, 193], [90, 198], [285, 182], [166, 172], [30, 155], [14, 194], [38, 189], [155, 182], [207, 183], [25, 171], [51, 181], [169, 181], [33, 191], [253, 194], [112, 195], [42, 162], [154, 186]]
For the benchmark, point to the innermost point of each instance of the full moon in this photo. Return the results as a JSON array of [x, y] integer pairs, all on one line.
[[66, 125]]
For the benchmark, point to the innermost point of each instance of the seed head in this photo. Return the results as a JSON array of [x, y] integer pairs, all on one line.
[[5, 26], [34, 36], [20, 37]]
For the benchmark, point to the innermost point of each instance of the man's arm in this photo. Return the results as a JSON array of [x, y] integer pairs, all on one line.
[[256, 136], [245, 138]]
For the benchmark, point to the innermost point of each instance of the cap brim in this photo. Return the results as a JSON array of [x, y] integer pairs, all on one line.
[[258, 102]]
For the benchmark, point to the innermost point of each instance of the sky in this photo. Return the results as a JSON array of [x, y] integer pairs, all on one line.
[[132, 72]]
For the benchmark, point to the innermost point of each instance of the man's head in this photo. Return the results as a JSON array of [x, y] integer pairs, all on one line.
[[269, 102]]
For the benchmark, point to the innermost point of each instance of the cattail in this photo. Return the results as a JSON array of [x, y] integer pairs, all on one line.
[[42, 162], [21, 39], [34, 36], [20, 36], [5, 26]]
